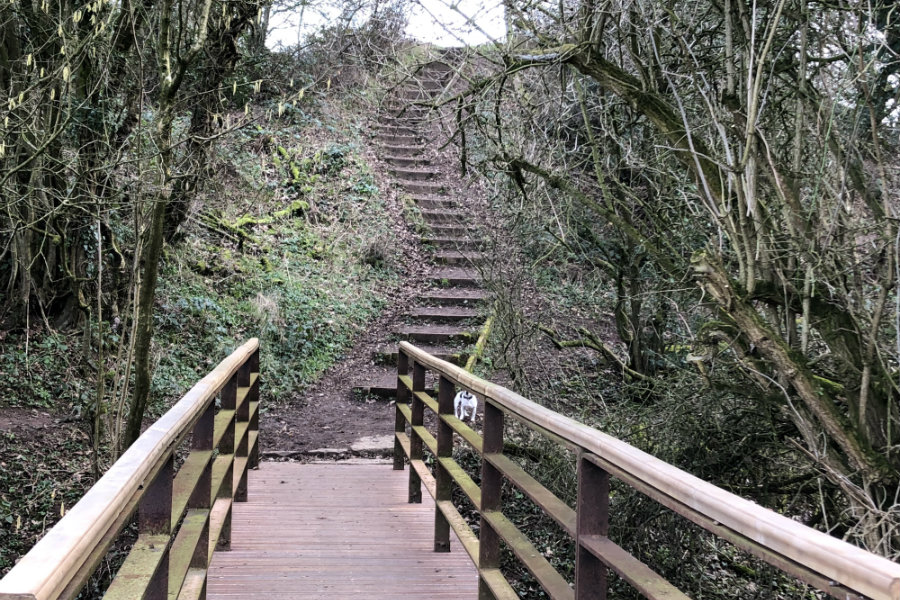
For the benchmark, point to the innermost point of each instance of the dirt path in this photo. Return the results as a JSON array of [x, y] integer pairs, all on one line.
[[350, 411]]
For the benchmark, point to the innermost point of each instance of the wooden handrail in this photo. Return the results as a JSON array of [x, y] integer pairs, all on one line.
[[832, 565], [181, 516]]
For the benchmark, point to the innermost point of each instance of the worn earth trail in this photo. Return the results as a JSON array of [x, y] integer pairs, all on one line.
[[349, 412]]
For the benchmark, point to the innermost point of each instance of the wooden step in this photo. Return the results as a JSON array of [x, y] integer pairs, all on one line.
[[462, 243], [436, 202], [398, 140], [455, 276], [407, 150], [387, 355], [391, 118], [406, 110], [434, 70], [415, 174], [423, 187], [441, 230], [443, 314], [431, 84], [437, 334], [397, 130], [444, 216], [383, 383], [406, 161], [454, 257], [392, 103], [415, 94], [453, 297], [411, 115]]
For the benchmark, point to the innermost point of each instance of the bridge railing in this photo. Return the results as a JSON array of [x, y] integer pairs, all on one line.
[[183, 514], [829, 564]]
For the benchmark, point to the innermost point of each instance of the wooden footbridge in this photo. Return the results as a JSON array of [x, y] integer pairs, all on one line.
[[197, 515], [212, 522]]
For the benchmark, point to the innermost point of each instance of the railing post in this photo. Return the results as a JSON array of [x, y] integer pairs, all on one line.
[[491, 492], [253, 396], [243, 416], [592, 518], [417, 408], [226, 447], [443, 480], [202, 441], [399, 419], [155, 518]]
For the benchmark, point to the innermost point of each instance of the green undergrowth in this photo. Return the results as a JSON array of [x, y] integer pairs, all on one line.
[[295, 253], [43, 472], [289, 242], [712, 427]]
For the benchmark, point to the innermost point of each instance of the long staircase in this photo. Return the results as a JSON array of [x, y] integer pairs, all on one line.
[[444, 319]]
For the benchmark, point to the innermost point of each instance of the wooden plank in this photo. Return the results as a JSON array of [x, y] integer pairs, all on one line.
[[253, 440], [73, 589], [224, 418], [469, 435], [69, 551], [194, 587], [498, 585], [403, 438], [639, 575], [549, 579], [459, 525], [561, 512], [220, 467], [186, 480], [218, 519], [462, 479], [428, 400], [406, 380], [426, 437], [240, 467], [144, 559], [185, 546], [244, 390], [314, 531], [834, 559], [833, 588], [425, 475], [406, 411], [240, 432]]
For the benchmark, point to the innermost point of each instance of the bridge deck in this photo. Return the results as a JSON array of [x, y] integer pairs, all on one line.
[[336, 531]]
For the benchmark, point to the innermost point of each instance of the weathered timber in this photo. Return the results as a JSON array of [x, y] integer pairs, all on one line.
[[177, 513], [835, 567], [313, 531]]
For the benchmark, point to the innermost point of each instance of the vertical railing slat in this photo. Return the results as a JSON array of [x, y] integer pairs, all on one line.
[[243, 416], [415, 441], [155, 518], [172, 553], [226, 448], [592, 518], [253, 396], [202, 441], [491, 496], [443, 480], [399, 419]]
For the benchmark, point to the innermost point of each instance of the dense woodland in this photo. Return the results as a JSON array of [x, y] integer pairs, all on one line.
[[705, 194], [729, 170]]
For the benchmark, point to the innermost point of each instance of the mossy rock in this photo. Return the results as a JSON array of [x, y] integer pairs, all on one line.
[[296, 209]]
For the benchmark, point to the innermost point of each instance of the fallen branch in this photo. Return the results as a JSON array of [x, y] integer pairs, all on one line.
[[479, 346], [594, 343]]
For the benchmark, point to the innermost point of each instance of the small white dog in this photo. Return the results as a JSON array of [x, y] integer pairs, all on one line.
[[465, 403]]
